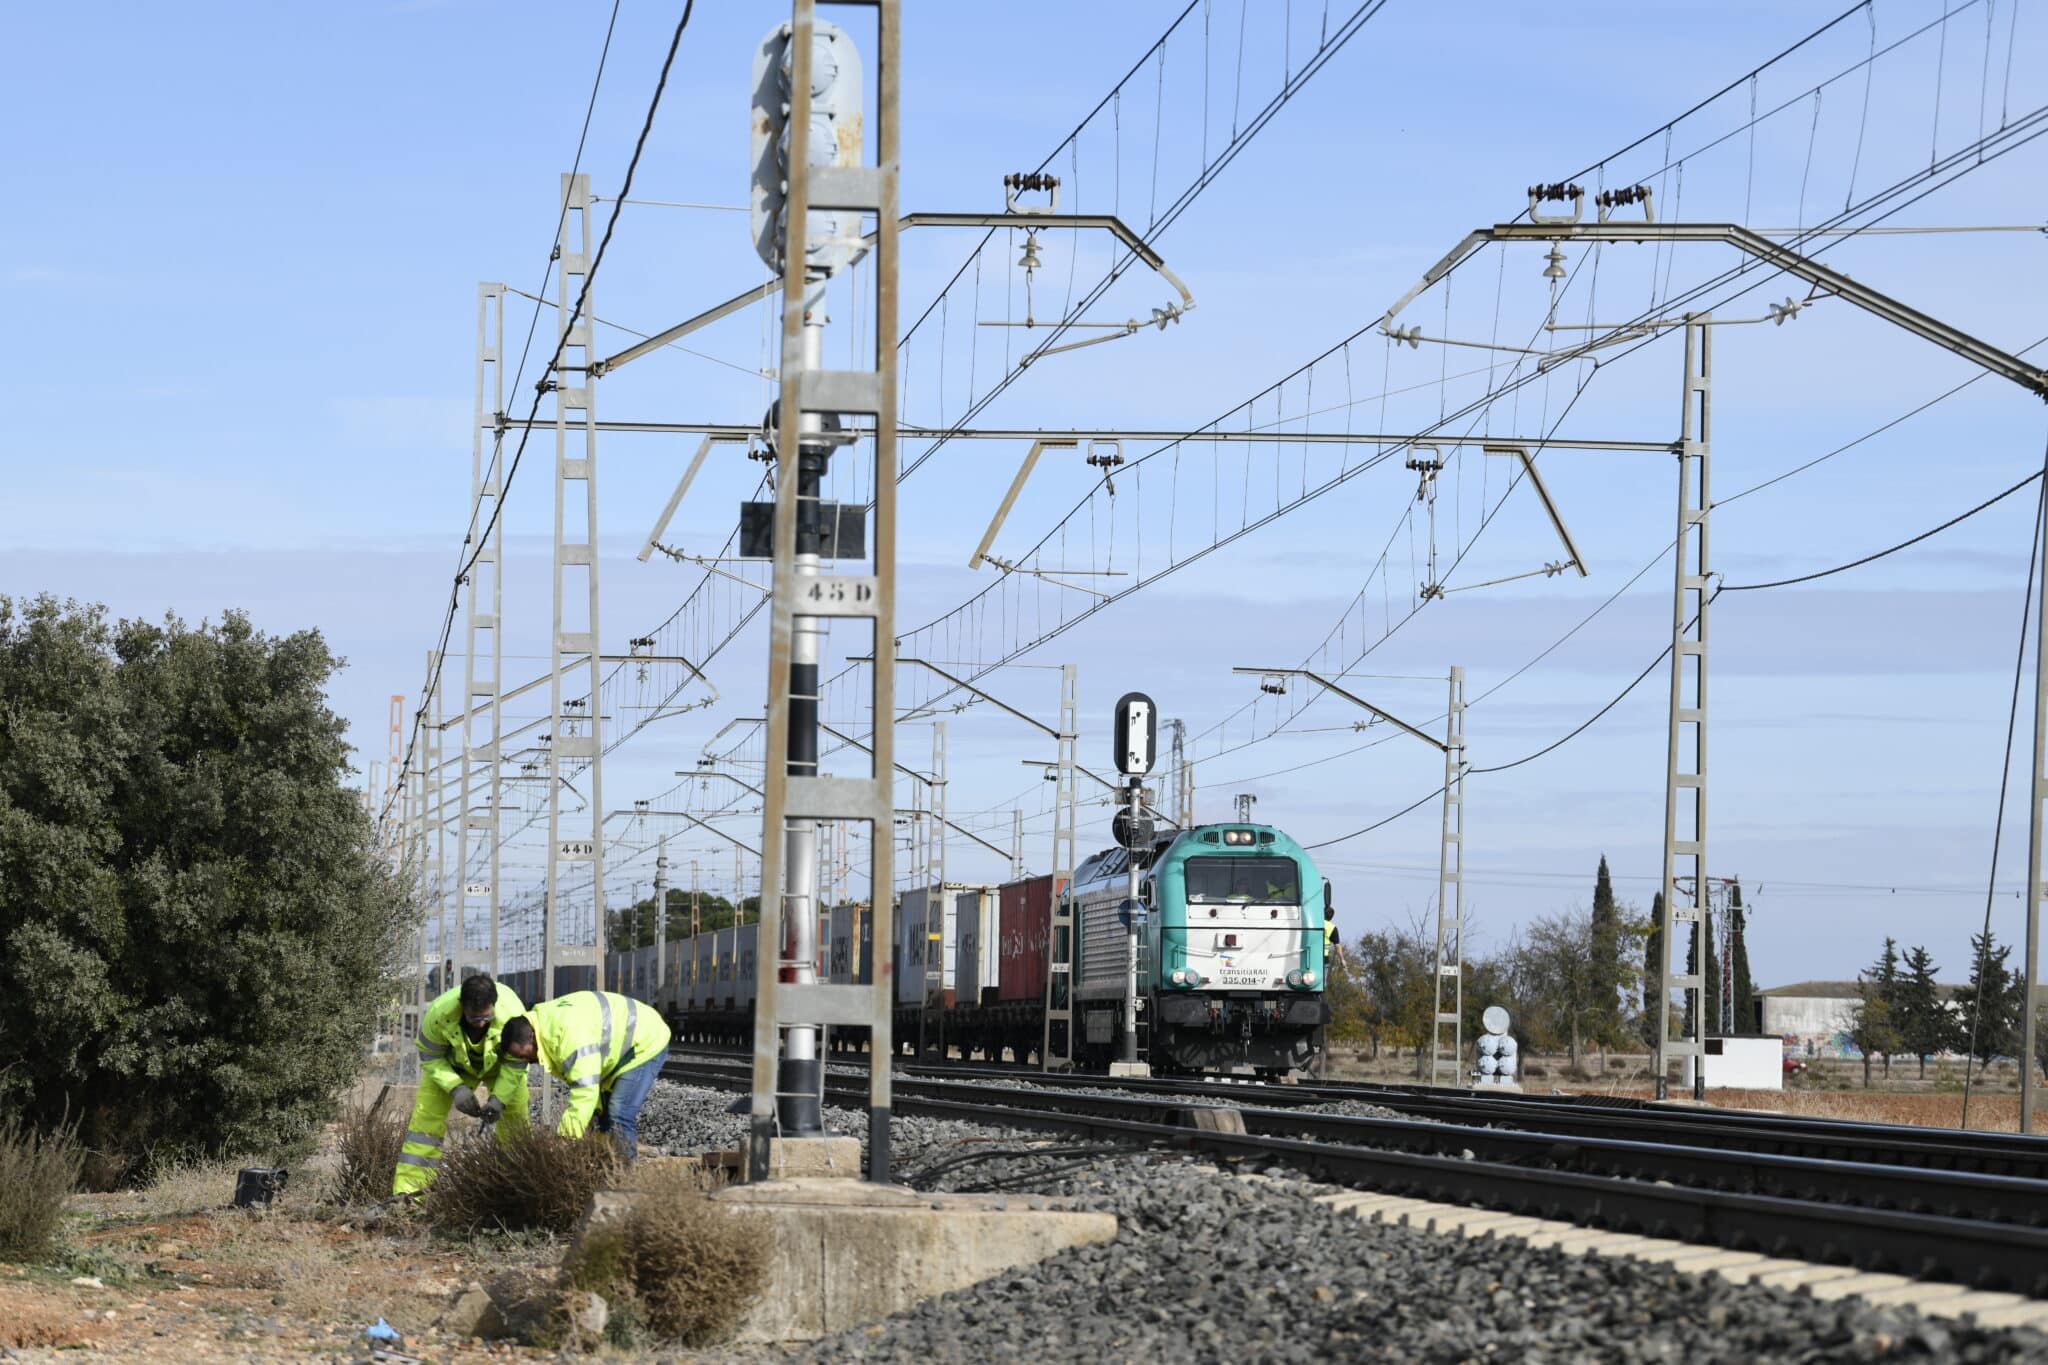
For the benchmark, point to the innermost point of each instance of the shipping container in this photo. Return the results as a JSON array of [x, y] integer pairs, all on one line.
[[1026, 926], [850, 955], [919, 951], [976, 931], [746, 939], [703, 970]]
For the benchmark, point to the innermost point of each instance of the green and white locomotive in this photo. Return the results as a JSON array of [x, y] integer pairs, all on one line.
[[1230, 951]]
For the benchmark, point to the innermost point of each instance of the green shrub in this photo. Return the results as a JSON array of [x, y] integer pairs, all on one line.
[[38, 1172], [685, 1268], [197, 932], [536, 1181]]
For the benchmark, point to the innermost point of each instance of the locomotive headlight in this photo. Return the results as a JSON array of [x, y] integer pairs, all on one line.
[[1308, 978], [1301, 979], [1180, 976]]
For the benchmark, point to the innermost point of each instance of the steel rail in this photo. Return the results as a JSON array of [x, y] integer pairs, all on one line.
[[1925, 1245], [1599, 1116]]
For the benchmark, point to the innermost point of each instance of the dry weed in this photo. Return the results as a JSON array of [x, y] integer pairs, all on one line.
[[687, 1268], [534, 1182], [367, 1143], [38, 1172]]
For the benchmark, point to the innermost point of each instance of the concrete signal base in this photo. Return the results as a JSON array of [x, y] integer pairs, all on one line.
[[795, 1158], [847, 1252]]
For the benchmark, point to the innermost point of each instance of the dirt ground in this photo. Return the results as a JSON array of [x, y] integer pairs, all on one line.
[[173, 1274]]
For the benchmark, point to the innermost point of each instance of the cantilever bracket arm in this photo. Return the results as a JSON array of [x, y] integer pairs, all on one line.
[[685, 815], [1571, 547], [1882, 305], [995, 524], [1351, 697], [1107, 222], [965, 686]]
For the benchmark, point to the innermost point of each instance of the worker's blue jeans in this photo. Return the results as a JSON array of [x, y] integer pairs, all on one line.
[[618, 1110]]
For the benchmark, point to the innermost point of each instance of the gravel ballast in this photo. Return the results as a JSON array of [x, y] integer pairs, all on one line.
[[1210, 1265]]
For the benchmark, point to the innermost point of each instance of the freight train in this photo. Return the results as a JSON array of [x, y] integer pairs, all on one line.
[[1230, 961]]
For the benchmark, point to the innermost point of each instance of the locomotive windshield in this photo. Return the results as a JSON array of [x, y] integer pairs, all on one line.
[[1224, 881]]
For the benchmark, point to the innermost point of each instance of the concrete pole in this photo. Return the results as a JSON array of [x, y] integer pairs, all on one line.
[[2030, 967]]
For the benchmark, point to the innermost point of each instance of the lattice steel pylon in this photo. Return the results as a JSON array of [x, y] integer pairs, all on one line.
[[1057, 1049], [789, 995], [481, 771], [935, 928], [575, 837], [1685, 820], [660, 913], [1448, 1054]]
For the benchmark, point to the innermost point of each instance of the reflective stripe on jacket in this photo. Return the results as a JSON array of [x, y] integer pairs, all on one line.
[[447, 1057], [587, 1038]]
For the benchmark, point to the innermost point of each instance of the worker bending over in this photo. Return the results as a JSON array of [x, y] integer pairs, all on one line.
[[461, 1067], [606, 1048]]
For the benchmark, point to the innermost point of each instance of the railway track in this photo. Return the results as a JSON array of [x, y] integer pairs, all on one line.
[[1569, 1116], [1600, 1117], [1987, 1229]]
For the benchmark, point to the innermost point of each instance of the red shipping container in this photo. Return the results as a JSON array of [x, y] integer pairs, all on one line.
[[1025, 921]]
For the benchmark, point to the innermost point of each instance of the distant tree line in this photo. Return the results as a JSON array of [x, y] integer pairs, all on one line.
[[1577, 981], [634, 926], [1903, 1011]]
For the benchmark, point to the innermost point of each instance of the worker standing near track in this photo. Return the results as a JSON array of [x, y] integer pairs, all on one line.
[[606, 1048], [461, 1067]]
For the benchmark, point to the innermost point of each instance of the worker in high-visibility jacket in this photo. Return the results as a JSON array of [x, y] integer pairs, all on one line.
[[606, 1048], [461, 1067]]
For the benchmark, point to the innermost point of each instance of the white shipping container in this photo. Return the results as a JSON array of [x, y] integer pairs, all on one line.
[[976, 911]]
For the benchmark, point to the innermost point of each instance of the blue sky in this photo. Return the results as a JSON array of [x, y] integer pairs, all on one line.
[[241, 282]]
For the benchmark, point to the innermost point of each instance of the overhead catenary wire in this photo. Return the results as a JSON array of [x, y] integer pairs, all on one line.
[[470, 535], [1932, 531], [2012, 716], [1665, 653], [475, 544], [1140, 65]]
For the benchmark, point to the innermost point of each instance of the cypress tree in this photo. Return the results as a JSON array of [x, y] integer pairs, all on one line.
[[1653, 968], [1605, 1018], [1738, 964]]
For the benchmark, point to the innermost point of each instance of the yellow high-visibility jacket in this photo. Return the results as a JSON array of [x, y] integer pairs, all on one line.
[[587, 1039], [449, 1059]]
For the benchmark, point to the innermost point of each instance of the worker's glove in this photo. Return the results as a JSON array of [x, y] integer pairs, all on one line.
[[464, 1099], [493, 1107]]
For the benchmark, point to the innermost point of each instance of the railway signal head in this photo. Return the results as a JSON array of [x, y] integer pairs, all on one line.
[[832, 238], [1137, 734]]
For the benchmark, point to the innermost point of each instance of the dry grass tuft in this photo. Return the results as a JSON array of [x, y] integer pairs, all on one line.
[[367, 1143], [185, 1187], [687, 1268], [534, 1182], [38, 1172]]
